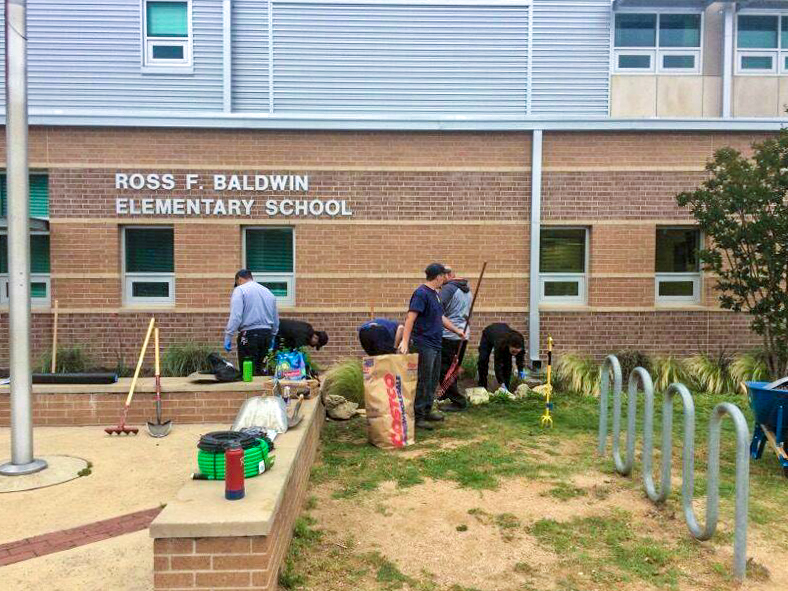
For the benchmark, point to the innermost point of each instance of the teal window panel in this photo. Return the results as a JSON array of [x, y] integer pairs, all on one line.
[[679, 30], [756, 62], [684, 289], [167, 19], [278, 288], [636, 30], [149, 250], [168, 52], [39, 253], [561, 289], [39, 196], [678, 62], [562, 251], [757, 32], [634, 62], [150, 289], [269, 250], [38, 289]]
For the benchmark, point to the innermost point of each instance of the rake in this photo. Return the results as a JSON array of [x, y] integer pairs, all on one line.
[[456, 365], [122, 429]]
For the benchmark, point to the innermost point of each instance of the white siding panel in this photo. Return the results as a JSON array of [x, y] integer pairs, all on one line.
[[87, 54], [250, 55], [399, 59], [571, 57]]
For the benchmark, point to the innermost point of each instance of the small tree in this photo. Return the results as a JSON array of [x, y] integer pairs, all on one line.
[[742, 207]]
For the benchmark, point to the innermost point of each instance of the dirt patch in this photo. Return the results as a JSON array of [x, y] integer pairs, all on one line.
[[475, 539]]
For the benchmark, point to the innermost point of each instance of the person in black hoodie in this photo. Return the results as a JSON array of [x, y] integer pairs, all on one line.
[[504, 343], [296, 333]]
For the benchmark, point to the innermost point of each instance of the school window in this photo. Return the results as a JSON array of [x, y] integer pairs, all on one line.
[[677, 266], [39, 269], [657, 42], [762, 44], [268, 254], [148, 266], [167, 34], [562, 265]]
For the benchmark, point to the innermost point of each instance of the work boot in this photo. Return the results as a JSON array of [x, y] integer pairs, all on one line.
[[422, 423], [434, 416], [454, 407]]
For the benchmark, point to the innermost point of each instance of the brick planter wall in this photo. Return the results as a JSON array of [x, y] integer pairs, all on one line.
[[244, 562]]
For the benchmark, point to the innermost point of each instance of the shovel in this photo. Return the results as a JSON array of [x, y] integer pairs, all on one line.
[[158, 429]]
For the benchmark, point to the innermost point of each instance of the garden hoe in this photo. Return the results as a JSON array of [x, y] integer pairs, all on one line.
[[122, 429], [158, 429]]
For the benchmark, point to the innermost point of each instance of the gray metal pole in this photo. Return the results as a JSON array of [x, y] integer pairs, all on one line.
[[22, 460], [533, 272]]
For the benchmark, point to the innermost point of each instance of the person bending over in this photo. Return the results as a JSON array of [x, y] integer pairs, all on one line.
[[504, 343], [295, 334], [380, 336]]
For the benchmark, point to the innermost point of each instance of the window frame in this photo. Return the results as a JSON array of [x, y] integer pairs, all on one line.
[[581, 299], [46, 278], [696, 276], [778, 54], [162, 66], [130, 278], [288, 301], [657, 52]]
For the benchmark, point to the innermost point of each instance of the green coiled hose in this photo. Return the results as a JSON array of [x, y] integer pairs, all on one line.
[[211, 464]]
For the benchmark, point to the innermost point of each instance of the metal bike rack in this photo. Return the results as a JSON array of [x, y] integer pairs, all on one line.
[[640, 377]]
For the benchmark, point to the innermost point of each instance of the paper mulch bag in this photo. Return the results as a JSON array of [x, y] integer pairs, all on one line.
[[389, 395]]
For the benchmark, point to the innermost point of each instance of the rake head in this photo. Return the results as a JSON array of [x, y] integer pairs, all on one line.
[[121, 430]]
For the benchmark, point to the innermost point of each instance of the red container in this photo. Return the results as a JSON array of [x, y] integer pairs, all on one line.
[[234, 472]]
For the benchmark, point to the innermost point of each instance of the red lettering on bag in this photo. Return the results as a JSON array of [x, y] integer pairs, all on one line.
[[396, 411]]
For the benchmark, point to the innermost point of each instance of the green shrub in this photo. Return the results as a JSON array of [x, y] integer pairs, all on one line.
[[576, 373], [345, 378], [711, 374], [70, 359], [470, 366], [749, 367], [631, 359], [186, 358], [667, 369]]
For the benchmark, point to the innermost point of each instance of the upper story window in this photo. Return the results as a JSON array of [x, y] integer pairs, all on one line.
[[762, 44], [562, 265], [268, 254], [167, 34], [667, 43], [677, 267]]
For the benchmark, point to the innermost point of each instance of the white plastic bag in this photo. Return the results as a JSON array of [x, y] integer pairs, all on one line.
[[268, 412]]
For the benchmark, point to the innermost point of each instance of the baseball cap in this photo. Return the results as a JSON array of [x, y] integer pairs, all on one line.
[[433, 270]]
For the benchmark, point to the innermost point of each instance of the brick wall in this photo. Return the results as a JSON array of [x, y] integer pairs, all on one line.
[[104, 408], [248, 562], [462, 198]]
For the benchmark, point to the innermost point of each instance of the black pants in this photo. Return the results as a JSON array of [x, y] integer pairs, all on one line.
[[448, 351], [502, 364], [375, 341], [428, 378], [254, 345]]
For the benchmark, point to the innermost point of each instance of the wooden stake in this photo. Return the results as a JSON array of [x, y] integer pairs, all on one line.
[[54, 341]]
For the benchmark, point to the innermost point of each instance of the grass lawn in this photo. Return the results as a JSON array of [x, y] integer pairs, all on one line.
[[491, 501]]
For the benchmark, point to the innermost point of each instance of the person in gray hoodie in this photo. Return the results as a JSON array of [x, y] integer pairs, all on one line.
[[456, 299]]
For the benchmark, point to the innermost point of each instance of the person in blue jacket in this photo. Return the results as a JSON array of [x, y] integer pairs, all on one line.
[[380, 336]]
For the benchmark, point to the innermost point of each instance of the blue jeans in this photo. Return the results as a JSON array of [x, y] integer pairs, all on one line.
[[429, 373]]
